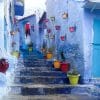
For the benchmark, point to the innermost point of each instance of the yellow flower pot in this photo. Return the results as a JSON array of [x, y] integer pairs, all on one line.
[[73, 79], [49, 55], [57, 64], [30, 49], [16, 54]]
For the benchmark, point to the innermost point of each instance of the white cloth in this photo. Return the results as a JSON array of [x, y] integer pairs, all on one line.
[[27, 40]]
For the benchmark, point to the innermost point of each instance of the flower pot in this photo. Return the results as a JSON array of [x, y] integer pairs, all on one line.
[[49, 55], [65, 67], [16, 54], [4, 66], [73, 79], [57, 64], [72, 28], [30, 49], [62, 38], [57, 27]]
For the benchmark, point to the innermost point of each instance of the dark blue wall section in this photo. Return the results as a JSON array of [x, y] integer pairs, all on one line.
[[19, 10]]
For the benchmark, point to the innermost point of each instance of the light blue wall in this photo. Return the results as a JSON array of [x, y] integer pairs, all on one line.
[[88, 33], [84, 30]]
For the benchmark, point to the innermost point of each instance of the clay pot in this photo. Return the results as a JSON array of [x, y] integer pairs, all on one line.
[[57, 64], [65, 67], [49, 55]]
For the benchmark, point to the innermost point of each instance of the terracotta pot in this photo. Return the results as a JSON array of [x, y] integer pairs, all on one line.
[[49, 55], [65, 67], [57, 64]]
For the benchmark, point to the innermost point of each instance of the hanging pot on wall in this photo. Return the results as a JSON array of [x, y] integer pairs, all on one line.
[[52, 36], [65, 15], [72, 28], [57, 27], [46, 20], [52, 18], [49, 30], [63, 38], [12, 32]]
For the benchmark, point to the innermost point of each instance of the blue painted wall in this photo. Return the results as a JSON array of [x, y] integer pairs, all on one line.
[[21, 23], [83, 36]]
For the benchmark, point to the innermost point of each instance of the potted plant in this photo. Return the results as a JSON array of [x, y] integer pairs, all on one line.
[[16, 54], [4, 65], [73, 76], [65, 66], [56, 64], [30, 46], [49, 54]]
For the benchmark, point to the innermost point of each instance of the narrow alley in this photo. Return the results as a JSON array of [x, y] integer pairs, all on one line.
[[50, 50]]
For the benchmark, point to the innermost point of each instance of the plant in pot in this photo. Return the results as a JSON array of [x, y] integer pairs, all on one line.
[[56, 63], [4, 65], [16, 54], [65, 66], [30, 46], [49, 54], [44, 48], [73, 76]]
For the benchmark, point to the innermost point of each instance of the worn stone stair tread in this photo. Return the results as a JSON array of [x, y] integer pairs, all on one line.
[[32, 68], [47, 73], [50, 85], [40, 76], [51, 97]]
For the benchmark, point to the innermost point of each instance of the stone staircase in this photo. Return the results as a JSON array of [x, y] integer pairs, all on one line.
[[35, 78]]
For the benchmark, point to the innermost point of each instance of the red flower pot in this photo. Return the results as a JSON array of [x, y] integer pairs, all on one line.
[[62, 38], [46, 20], [57, 27], [49, 30], [3, 65], [65, 67]]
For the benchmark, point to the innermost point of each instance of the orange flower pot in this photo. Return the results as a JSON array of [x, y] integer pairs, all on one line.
[[49, 55], [57, 64]]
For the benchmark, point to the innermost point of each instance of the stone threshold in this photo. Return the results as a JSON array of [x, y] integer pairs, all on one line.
[[50, 85]]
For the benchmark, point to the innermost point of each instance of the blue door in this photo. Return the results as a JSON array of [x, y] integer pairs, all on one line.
[[96, 49]]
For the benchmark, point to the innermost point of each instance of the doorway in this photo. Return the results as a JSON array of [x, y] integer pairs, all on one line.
[[96, 49]]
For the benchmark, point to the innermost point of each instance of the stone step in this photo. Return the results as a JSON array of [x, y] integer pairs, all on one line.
[[32, 65], [40, 73], [41, 80], [22, 68], [51, 97], [26, 59], [40, 89]]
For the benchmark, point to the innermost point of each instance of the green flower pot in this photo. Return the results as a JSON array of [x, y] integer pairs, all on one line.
[[73, 79], [16, 54], [30, 49]]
